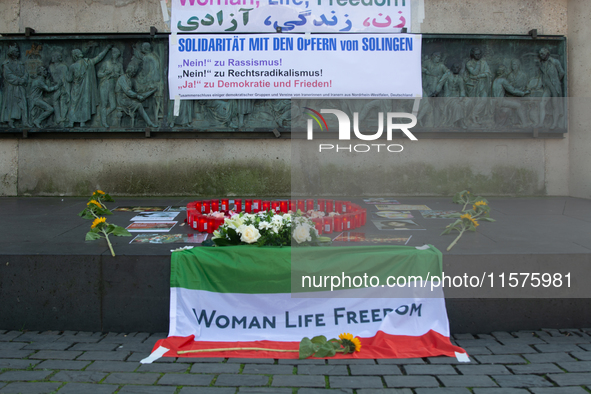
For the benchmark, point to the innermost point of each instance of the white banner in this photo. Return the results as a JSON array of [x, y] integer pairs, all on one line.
[[265, 16], [293, 65]]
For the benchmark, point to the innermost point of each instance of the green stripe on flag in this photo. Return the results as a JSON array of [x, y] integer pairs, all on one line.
[[268, 270]]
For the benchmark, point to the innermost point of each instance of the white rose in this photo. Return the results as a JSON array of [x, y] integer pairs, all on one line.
[[264, 225], [302, 234], [250, 234]]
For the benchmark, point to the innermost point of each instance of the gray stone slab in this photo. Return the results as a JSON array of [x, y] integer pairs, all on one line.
[[331, 391], [208, 390], [147, 390], [500, 359], [500, 391], [477, 342], [112, 366], [135, 347], [30, 388], [576, 366], [177, 379], [17, 364], [539, 358], [355, 382], [264, 390], [350, 361], [558, 390], [164, 368], [443, 390], [62, 364], [55, 355], [215, 368], [467, 381], [132, 378], [571, 379], [404, 361], [558, 348], [582, 355], [512, 349], [24, 376], [10, 335], [104, 356], [411, 381], [384, 391], [526, 381], [298, 381], [200, 359], [87, 388], [12, 345], [15, 353], [48, 346], [484, 369], [242, 380], [430, 370], [534, 369], [375, 370], [79, 376], [449, 360], [254, 369], [85, 347], [308, 361], [475, 350], [330, 370], [79, 339]]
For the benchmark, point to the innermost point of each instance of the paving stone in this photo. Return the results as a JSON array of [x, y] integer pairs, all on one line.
[[512, 349], [48, 346], [12, 345], [500, 359], [585, 346], [559, 390], [32, 336], [521, 381], [55, 355], [314, 361], [333, 391], [572, 339], [242, 380], [104, 356], [112, 366], [79, 376], [30, 388], [582, 355], [132, 378], [164, 368], [62, 364], [121, 339], [477, 350], [443, 390], [351, 361], [147, 390], [267, 369], [523, 341], [570, 379], [264, 390], [387, 361], [79, 339], [85, 347], [382, 391], [251, 361], [411, 381], [22, 376], [135, 347], [355, 382], [556, 348], [448, 360], [208, 390], [467, 381], [484, 369], [298, 381], [534, 369], [501, 335], [576, 366], [215, 368], [15, 353], [375, 370], [87, 388], [199, 359], [477, 342], [500, 391], [17, 364], [10, 335], [539, 358], [430, 370], [463, 336], [178, 379], [330, 370]]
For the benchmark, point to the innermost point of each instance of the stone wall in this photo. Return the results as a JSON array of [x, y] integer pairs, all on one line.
[[232, 166]]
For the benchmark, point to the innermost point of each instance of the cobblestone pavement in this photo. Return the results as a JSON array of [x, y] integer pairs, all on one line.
[[538, 362]]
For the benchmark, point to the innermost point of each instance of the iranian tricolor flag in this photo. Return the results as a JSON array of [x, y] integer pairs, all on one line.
[[270, 298]]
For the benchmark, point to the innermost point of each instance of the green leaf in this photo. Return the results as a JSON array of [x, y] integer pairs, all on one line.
[[120, 231], [91, 236], [222, 242], [326, 350], [306, 348], [487, 220], [320, 339], [234, 237]]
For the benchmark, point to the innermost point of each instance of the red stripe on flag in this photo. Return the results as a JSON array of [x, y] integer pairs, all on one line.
[[382, 345]]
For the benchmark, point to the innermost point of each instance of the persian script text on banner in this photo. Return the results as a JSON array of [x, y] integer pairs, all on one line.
[[266, 16], [291, 65]]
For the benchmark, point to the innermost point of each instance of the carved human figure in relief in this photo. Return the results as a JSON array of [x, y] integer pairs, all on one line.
[[61, 97], [108, 74], [478, 81], [434, 70], [14, 104], [552, 76], [516, 77], [128, 100], [36, 102], [84, 94], [501, 86], [452, 85], [150, 78]]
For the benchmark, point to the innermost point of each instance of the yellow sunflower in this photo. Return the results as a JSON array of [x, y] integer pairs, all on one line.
[[349, 342], [100, 192], [469, 217], [479, 204], [95, 202], [98, 221]]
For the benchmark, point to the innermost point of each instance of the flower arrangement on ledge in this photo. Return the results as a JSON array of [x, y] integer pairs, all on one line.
[[267, 228], [468, 221]]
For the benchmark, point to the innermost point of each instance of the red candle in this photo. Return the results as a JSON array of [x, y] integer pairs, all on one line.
[[215, 205], [309, 205], [329, 206], [346, 222], [338, 206], [248, 206], [338, 223], [210, 225], [301, 205], [292, 205], [190, 209], [225, 204], [266, 206], [344, 207], [202, 223], [238, 205], [318, 225], [205, 207], [218, 222], [355, 220], [328, 224], [363, 217], [275, 206], [198, 206], [283, 206], [321, 205], [257, 205]]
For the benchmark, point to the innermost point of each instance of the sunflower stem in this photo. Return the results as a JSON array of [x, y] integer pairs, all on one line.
[[109, 243], [456, 240], [226, 349]]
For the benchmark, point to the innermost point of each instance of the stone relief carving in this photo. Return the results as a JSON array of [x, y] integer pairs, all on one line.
[[101, 84]]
